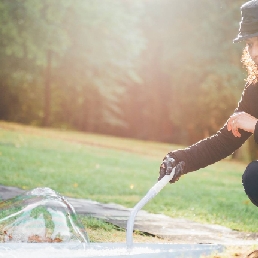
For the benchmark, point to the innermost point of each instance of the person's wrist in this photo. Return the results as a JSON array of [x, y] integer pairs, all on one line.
[[172, 155], [254, 123]]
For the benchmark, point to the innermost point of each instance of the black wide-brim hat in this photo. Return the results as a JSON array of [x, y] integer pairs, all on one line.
[[248, 27]]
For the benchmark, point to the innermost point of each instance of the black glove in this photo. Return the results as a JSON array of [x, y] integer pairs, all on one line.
[[167, 166]]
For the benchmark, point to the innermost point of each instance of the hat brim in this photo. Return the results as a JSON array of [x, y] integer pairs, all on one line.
[[241, 37]]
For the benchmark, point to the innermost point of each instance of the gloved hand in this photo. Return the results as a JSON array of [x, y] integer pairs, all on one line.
[[167, 166]]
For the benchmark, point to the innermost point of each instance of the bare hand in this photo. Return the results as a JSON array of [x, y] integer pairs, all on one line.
[[241, 120]]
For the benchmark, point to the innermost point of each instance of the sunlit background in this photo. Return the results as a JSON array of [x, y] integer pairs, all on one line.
[[163, 70]]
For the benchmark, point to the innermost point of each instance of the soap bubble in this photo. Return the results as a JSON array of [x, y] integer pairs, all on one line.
[[40, 216]]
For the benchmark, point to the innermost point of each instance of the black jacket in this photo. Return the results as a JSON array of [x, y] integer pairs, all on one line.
[[223, 143]]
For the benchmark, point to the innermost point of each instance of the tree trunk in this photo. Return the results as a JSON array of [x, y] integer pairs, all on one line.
[[46, 120], [253, 149]]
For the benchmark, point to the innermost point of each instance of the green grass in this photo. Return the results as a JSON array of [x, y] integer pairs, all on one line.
[[100, 231], [110, 169]]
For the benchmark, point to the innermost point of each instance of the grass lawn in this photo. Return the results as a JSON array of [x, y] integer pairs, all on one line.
[[110, 169]]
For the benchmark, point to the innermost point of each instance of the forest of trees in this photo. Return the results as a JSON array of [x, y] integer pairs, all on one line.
[[163, 70]]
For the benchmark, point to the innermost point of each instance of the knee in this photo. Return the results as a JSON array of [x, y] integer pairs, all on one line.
[[250, 182]]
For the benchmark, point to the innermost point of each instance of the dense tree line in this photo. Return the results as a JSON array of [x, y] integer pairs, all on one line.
[[162, 70]]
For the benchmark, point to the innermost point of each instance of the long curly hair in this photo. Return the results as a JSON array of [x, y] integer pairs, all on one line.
[[251, 67]]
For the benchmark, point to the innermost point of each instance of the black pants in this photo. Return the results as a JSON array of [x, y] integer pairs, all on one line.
[[250, 182]]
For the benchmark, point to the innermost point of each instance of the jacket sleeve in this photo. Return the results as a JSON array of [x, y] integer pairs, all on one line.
[[256, 133], [216, 147]]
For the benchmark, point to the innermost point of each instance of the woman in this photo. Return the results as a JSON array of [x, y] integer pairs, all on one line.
[[239, 127]]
